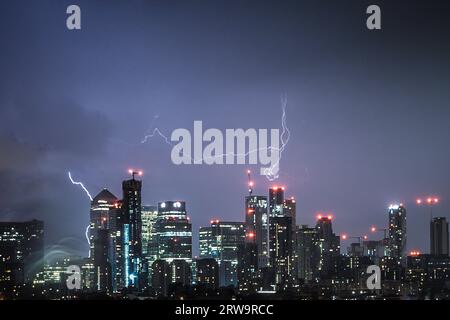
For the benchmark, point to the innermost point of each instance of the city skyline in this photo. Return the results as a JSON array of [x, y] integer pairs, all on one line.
[[147, 251], [367, 110], [412, 206]]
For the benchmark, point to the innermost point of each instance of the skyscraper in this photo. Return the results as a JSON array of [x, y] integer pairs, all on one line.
[[221, 241], [281, 240], [329, 245], [116, 257], [102, 265], [100, 240], [248, 272], [206, 242], [290, 210], [276, 206], [149, 215], [281, 258], [276, 201], [257, 223], [439, 236], [132, 231], [174, 231], [308, 253], [101, 204], [397, 232], [21, 253]]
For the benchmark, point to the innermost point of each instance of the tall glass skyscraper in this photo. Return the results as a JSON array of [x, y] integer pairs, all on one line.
[[329, 246], [439, 236], [117, 246], [308, 253], [132, 231], [221, 241], [276, 201], [174, 231], [281, 238], [205, 242], [100, 240], [149, 216], [257, 226], [397, 232]]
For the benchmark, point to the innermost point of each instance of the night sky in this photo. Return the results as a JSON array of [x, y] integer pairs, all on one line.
[[368, 111]]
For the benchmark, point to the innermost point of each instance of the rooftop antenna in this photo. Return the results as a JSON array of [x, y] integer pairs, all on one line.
[[134, 172]]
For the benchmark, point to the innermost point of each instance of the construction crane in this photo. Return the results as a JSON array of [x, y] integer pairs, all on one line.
[[250, 182], [359, 238]]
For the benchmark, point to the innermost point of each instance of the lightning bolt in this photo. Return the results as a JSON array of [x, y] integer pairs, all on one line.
[[80, 184], [268, 172], [155, 132], [285, 136], [90, 197]]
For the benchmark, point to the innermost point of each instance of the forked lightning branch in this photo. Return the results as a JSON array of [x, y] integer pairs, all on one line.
[[237, 146]]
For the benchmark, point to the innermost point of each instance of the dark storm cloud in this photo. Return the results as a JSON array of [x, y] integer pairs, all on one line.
[[54, 126], [368, 111], [40, 140], [19, 181]]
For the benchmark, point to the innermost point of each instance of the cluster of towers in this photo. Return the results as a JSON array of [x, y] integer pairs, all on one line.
[[123, 242], [132, 245], [139, 247], [268, 252]]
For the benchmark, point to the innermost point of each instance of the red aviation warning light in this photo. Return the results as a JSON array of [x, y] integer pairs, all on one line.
[[430, 200], [321, 216], [414, 253], [344, 237], [250, 235], [135, 172]]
